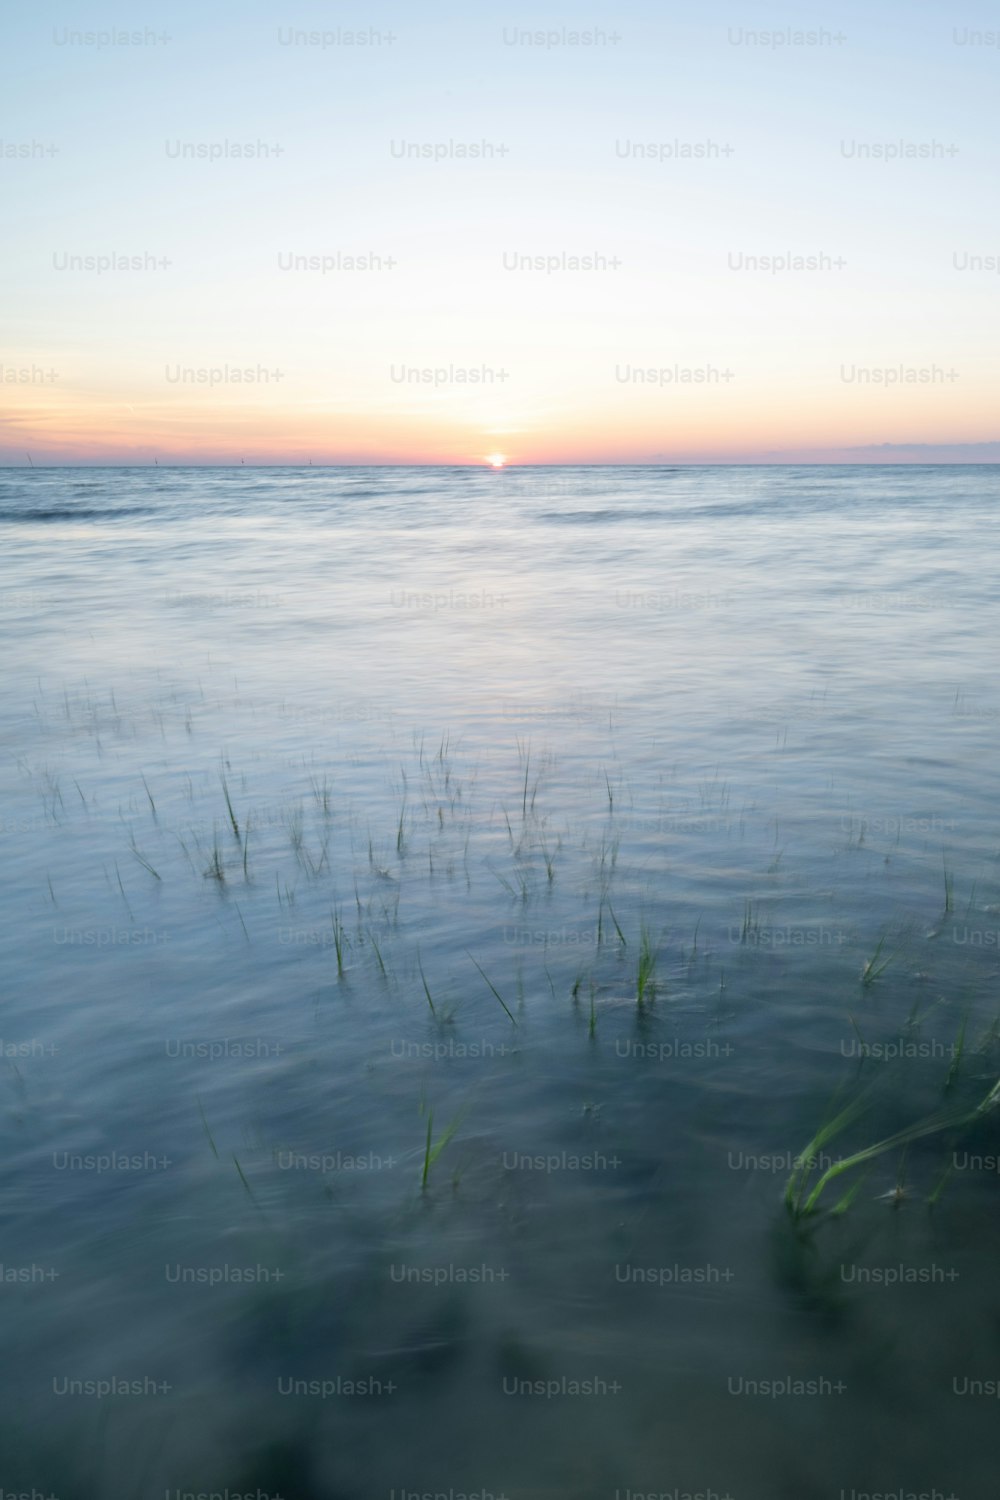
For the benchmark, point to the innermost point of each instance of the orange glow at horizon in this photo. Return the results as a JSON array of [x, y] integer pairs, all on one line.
[[765, 422]]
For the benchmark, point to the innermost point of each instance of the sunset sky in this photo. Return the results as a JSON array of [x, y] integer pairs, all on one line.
[[672, 345]]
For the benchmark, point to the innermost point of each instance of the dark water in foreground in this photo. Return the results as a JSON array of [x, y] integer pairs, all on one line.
[[345, 813]]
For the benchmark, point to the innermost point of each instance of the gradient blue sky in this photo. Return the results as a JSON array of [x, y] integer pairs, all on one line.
[[91, 361]]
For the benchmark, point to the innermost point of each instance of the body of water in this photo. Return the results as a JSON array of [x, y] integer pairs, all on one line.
[[442, 906]]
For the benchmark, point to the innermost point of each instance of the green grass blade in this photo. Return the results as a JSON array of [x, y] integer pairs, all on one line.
[[493, 988]]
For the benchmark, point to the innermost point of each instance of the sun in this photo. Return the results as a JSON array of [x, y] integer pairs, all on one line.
[[496, 460]]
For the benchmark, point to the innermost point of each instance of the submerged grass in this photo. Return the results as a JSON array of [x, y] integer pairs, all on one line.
[[216, 869], [956, 1054], [934, 1196], [646, 975], [617, 925], [249, 1189], [378, 952], [427, 991], [145, 862], [339, 941], [242, 923], [751, 922], [204, 1122], [128, 908], [229, 807], [432, 1149], [148, 794], [876, 965], [429, 819], [495, 990], [802, 1203]]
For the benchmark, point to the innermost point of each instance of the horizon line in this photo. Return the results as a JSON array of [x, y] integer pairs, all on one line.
[[966, 463]]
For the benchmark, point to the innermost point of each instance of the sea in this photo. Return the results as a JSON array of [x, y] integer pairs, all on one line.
[[499, 981]]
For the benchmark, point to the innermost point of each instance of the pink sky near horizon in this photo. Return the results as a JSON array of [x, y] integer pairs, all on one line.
[[648, 426]]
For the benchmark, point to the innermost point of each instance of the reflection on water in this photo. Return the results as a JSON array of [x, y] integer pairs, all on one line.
[[347, 815]]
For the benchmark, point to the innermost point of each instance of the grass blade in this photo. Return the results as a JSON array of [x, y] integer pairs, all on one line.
[[494, 989]]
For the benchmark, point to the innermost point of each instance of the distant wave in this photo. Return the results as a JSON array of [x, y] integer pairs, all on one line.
[[598, 517], [73, 513], [361, 492]]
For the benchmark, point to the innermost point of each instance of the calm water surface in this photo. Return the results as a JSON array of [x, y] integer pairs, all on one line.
[[345, 812]]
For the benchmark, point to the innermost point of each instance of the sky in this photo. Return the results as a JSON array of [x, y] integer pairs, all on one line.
[[709, 233]]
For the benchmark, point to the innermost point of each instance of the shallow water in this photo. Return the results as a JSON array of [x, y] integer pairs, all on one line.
[[483, 732]]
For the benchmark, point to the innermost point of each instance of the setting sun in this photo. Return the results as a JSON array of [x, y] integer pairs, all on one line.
[[497, 460]]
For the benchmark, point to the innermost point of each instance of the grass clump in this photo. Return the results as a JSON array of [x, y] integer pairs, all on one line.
[[432, 1148], [876, 965], [645, 985], [802, 1201], [751, 923], [216, 869], [339, 941]]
